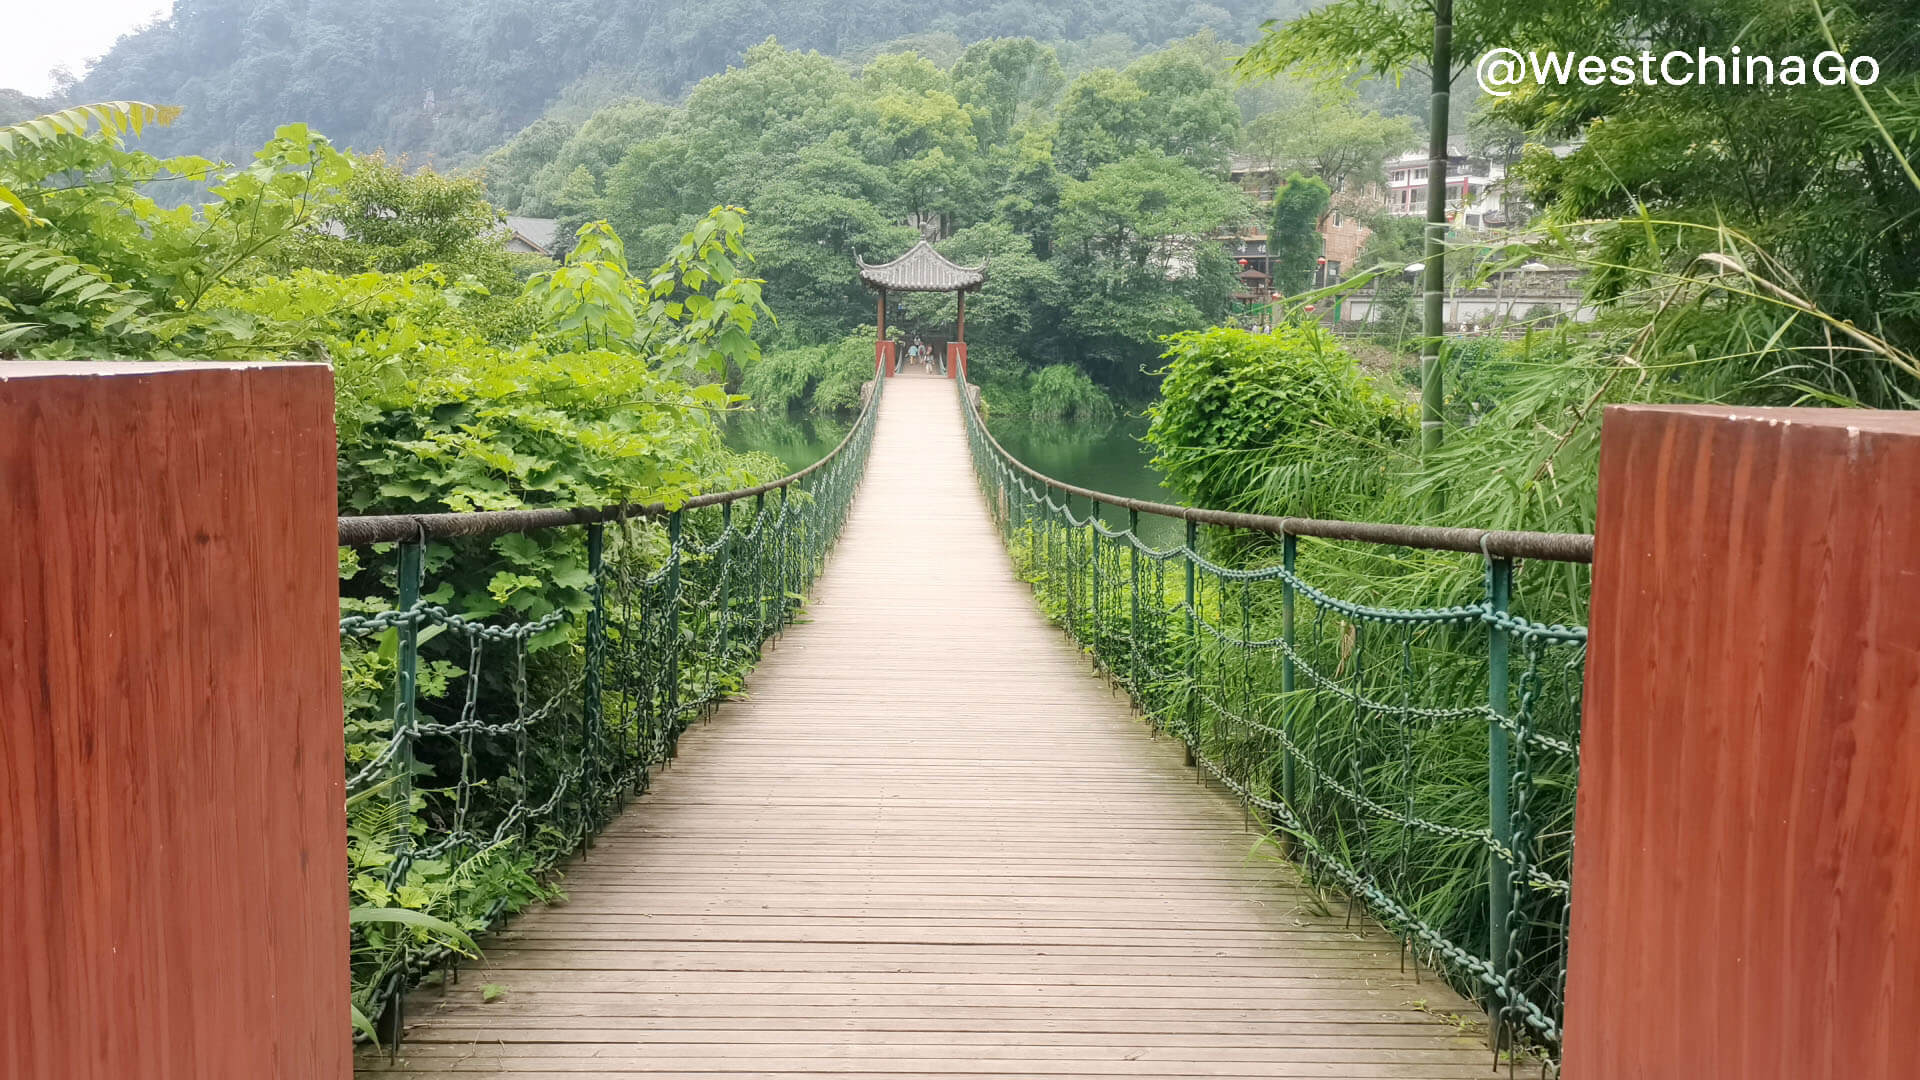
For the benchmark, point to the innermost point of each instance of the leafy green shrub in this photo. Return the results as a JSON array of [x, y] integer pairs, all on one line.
[[816, 378], [457, 389], [99, 270], [1064, 392], [1241, 415]]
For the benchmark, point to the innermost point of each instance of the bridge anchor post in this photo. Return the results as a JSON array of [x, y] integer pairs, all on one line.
[[1749, 782], [171, 754]]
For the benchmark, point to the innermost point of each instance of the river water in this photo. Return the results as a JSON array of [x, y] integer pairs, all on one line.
[[1105, 457]]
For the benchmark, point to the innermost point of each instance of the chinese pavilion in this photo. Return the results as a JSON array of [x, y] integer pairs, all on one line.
[[923, 269]]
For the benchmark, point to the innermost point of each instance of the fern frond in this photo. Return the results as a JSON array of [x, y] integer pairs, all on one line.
[[118, 117], [60, 273], [114, 117]]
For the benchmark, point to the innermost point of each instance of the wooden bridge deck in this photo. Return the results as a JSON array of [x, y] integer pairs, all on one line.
[[931, 844]]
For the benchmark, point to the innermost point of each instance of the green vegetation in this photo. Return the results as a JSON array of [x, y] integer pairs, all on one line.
[[459, 387], [1064, 392], [1092, 199], [1746, 246], [1742, 227], [414, 76], [827, 377], [1250, 421], [1293, 239]]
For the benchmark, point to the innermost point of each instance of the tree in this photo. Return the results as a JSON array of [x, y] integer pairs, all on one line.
[[1293, 239], [1811, 188], [100, 270], [1169, 103], [511, 169], [1330, 136], [1136, 263], [1028, 196], [388, 220], [995, 79], [1384, 37]]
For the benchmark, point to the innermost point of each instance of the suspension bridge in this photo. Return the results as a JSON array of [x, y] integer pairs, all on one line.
[[919, 763], [930, 841]]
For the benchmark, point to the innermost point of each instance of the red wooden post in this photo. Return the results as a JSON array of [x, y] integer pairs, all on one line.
[[171, 758], [957, 348], [1747, 876], [883, 349]]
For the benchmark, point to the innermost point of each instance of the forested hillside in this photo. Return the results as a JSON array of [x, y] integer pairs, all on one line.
[[427, 77]]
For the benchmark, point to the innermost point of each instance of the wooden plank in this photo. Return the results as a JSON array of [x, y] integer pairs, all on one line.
[[931, 843], [170, 739], [1749, 801]]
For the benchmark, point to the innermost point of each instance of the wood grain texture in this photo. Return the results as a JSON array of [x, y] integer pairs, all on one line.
[[170, 739], [1748, 870], [931, 843]]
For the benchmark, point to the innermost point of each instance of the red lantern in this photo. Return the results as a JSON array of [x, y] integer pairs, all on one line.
[[1243, 264]]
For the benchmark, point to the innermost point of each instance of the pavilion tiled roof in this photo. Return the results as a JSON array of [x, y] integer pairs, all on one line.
[[922, 269]]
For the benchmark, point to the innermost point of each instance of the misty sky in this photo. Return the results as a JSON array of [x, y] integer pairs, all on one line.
[[35, 38]]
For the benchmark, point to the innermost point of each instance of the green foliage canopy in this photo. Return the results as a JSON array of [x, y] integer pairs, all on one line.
[[1293, 239]]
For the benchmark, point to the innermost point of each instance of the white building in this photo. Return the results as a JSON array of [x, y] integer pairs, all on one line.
[[1476, 190]]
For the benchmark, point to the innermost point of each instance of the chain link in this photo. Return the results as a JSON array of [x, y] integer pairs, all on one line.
[[546, 764], [1386, 746]]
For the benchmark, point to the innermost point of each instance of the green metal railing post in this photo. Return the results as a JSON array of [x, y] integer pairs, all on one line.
[[406, 714], [406, 718], [1036, 520], [1499, 881], [1289, 549], [760, 567], [782, 569], [1133, 619], [1193, 646], [590, 700], [675, 523], [1069, 551], [1093, 548], [726, 582], [1046, 522]]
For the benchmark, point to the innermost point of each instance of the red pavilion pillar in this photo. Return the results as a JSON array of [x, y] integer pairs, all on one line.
[[957, 348]]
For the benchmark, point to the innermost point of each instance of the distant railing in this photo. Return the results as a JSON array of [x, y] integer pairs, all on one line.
[[476, 772], [1391, 746]]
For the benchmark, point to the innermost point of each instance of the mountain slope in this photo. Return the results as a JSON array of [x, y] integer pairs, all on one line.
[[447, 80]]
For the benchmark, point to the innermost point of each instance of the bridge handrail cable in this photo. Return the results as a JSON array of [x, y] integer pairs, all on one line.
[[520, 732], [1421, 759], [1513, 544]]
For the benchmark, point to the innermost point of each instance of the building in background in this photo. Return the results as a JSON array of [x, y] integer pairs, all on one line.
[[1341, 234], [1479, 196], [530, 235]]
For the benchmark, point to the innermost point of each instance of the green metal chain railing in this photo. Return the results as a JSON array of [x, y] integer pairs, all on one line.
[[1391, 747], [541, 764]]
